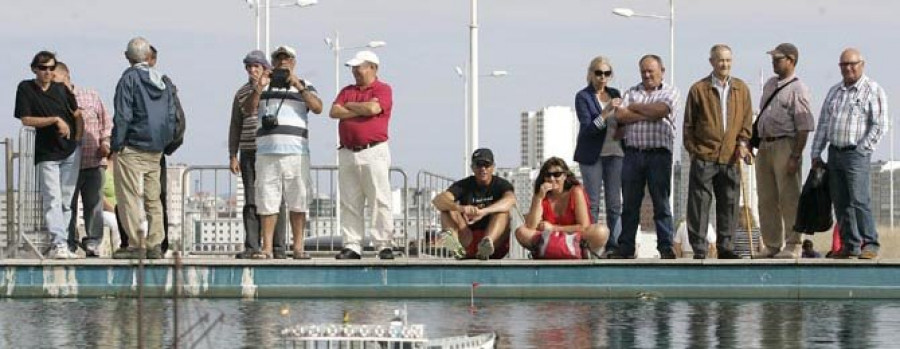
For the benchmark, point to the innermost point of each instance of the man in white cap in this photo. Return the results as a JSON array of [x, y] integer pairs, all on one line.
[[364, 110]]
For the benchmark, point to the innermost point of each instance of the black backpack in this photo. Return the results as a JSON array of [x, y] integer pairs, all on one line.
[[178, 137]]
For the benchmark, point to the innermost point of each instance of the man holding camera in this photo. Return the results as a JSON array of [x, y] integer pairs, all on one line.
[[364, 110], [282, 148]]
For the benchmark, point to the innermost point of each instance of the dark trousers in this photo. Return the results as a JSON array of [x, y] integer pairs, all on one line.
[[848, 180], [252, 227], [89, 187], [708, 178], [163, 185], [651, 169]]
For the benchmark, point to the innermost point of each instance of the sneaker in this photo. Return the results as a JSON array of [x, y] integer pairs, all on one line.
[[485, 248], [61, 252], [347, 254], [129, 253], [868, 254], [452, 244]]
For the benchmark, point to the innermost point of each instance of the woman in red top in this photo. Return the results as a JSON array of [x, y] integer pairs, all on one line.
[[559, 211]]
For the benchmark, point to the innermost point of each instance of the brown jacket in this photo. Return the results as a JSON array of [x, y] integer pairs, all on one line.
[[704, 137]]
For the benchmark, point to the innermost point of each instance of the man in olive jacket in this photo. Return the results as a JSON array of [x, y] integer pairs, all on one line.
[[717, 119]]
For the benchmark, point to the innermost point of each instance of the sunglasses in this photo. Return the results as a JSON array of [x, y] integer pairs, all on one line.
[[848, 64], [482, 164], [778, 58], [45, 67], [599, 73], [555, 174]]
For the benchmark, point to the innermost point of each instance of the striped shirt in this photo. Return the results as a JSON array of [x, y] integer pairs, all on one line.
[[853, 115], [291, 134], [651, 134], [97, 127], [242, 129]]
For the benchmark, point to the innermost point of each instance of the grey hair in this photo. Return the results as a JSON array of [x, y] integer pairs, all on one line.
[[595, 62], [717, 48], [138, 50]]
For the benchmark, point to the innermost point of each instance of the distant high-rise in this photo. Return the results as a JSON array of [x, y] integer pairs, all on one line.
[[548, 132]]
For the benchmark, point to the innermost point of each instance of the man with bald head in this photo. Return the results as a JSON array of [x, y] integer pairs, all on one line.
[[852, 121]]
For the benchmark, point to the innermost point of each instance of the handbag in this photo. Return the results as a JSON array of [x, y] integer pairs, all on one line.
[[558, 245]]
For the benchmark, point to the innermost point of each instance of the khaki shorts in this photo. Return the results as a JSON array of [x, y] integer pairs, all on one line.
[[282, 176]]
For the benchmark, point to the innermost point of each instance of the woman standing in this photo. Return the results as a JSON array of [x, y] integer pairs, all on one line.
[[558, 219], [599, 150]]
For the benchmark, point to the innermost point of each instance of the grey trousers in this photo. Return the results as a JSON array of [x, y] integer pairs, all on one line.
[[708, 178], [89, 187]]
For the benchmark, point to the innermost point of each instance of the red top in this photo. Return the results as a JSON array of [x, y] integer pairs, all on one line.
[[360, 131], [568, 217]]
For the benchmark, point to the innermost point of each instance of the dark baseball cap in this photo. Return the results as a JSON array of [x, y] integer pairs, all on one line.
[[483, 154], [786, 49]]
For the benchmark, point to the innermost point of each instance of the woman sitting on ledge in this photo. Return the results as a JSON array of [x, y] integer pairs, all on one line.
[[558, 220]]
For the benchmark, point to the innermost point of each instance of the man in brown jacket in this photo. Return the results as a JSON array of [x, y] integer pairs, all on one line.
[[717, 119]]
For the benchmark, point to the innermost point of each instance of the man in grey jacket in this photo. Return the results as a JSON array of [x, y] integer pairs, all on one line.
[[144, 123]]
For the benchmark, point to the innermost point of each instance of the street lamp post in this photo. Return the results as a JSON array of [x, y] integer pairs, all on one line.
[[472, 127], [467, 151], [268, 6]]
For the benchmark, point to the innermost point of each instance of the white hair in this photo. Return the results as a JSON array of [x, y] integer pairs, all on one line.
[[138, 50]]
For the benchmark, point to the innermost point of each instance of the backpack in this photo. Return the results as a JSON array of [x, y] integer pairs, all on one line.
[[180, 124]]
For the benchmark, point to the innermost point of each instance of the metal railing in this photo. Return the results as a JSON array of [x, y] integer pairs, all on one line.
[[29, 217]]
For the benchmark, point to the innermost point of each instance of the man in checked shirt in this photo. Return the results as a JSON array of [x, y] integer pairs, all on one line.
[[94, 150], [852, 121], [648, 113]]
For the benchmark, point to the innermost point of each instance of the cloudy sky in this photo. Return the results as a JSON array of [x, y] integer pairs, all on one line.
[[545, 46]]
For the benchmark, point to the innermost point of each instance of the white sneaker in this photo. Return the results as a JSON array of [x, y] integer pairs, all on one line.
[[61, 252]]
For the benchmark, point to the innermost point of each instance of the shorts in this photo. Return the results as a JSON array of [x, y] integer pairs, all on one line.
[[282, 176], [501, 248]]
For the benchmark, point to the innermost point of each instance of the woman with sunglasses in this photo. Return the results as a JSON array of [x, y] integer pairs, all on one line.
[[598, 150], [559, 211]]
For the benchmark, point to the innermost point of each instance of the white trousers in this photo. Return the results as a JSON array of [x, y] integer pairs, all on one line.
[[365, 176]]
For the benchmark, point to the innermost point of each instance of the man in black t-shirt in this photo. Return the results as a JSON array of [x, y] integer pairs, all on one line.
[[51, 109], [475, 210]]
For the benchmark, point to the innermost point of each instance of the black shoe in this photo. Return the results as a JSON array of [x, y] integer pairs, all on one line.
[[90, 249], [246, 254], [668, 253], [348, 254], [726, 254], [699, 255], [386, 253], [279, 254], [620, 255], [844, 254]]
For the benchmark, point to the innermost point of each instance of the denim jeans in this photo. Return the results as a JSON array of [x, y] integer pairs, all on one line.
[[58, 179], [848, 176], [606, 173], [89, 188], [653, 170]]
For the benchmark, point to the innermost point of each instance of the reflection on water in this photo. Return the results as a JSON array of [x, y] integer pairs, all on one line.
[[213, 323]]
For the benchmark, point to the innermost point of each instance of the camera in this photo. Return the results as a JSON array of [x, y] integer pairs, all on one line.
[[280, 78], [269, 121]]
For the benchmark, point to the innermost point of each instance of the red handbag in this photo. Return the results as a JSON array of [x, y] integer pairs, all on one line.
[[557, 245]]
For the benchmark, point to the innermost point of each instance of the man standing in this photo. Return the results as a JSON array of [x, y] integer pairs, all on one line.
[[242, 140], [717, 119], [364, 110], [52, 110], [284, 102], [784, 121], [476, 210], [852, 121], [143, 125], [648, 113], [94, 150]]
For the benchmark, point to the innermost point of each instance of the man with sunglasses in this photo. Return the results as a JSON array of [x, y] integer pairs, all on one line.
[[52, 110], [785, 119], [717, 119], [853, 120], [475, 211]]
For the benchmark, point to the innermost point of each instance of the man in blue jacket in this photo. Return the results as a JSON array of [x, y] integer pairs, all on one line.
[[143, 125]]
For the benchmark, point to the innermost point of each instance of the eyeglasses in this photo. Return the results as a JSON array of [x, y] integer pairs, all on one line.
[[45, 67], [482, 164], [848, 64], [555, 174], [599, 73]]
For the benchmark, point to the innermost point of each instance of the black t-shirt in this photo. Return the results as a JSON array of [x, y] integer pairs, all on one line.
[[31, 100], [468, 192]]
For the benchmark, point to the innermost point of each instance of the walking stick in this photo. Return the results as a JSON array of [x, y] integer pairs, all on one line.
[[749, 224]]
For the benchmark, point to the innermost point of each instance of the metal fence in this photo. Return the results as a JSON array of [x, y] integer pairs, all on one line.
[[30, 229]]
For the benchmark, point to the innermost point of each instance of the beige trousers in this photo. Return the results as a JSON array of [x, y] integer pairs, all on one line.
[[364, 176], [137, 174], [779, 193]]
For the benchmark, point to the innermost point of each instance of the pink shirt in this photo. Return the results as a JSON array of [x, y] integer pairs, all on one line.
[[97, 127], [363, 130]]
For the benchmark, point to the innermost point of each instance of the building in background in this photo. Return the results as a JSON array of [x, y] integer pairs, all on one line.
[[548, 132]]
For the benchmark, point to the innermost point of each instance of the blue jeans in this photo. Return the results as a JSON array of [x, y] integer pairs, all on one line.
[[848, 179], [606, 173], [652, 169], [57, 180]]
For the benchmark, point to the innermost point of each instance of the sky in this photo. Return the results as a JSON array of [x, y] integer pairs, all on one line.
[[545, 46]]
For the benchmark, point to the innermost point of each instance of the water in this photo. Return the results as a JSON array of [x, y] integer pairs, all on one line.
[[108, 323]]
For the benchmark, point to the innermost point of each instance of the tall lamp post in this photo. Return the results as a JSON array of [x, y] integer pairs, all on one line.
[[256, 5], [467, 151], [335, 46]]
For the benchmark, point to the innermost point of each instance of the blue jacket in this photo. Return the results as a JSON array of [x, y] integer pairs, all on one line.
[[144, 111], [590, 137]]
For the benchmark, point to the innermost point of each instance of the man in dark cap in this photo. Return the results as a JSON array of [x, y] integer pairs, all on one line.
[[475, 211]]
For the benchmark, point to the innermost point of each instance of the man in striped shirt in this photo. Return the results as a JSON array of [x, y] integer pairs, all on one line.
[[852, 121], [648, 113], [242, 141]]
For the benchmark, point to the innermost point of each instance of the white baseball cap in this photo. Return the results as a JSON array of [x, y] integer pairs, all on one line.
[[362, 57], [290, 51]]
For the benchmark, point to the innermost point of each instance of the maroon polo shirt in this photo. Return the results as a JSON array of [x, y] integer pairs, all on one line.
[[363, 130]]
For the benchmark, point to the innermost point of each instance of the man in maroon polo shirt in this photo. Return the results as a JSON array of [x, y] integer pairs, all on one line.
[[364, 110]]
